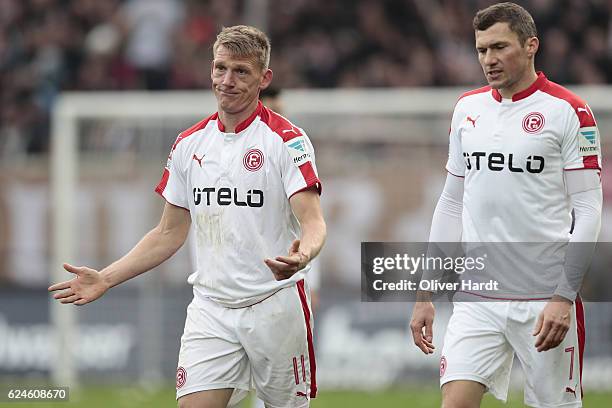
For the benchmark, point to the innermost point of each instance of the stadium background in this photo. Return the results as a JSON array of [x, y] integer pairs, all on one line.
[[368, 80]]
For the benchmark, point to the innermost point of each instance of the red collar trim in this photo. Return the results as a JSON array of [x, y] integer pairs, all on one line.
[[245, 123], [538, 84]]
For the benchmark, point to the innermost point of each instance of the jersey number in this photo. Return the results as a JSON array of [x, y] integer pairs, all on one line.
[[571, 370]]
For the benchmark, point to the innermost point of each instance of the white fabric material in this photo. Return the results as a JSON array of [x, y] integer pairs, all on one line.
[[265, 345], [514, 180], [240, 216], [480, 343], [446, 222], [587, 210], [587, 200], [516, 156], [584, 180]]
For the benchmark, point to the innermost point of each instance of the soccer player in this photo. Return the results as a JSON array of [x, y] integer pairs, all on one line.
[[246, 178], [523, 152]]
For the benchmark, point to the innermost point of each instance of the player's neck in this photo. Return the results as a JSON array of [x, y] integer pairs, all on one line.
[[524, 83], [232, 120]]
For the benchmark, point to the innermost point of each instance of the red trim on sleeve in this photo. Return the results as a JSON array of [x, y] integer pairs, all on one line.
[[308, 173], [311, 354], [584, 168], [161, 186], [591, 162], [317, 186]]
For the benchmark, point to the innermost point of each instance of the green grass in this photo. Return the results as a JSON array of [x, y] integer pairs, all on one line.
[[134, 397]]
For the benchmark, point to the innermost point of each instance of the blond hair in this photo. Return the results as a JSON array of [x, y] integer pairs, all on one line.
[[244, 42]]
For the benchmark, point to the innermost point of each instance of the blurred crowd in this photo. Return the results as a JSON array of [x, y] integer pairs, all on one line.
[[47, 46]]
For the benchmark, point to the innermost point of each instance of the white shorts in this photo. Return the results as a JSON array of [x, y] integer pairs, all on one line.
[[482, 338], [267, 345]]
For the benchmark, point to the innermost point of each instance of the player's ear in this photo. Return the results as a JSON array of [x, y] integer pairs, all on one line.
[[532, 44], [267, 79]]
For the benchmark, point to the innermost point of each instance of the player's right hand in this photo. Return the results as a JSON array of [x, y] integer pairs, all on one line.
[[421, 326], [87, 286]]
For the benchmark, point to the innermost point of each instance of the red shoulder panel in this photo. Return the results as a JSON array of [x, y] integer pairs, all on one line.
[[584, 113], [280, 125]]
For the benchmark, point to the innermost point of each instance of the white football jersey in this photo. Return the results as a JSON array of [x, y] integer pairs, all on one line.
[[237, 188], [512, 153]]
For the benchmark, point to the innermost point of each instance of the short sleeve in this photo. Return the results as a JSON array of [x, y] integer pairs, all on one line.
[[455, 164], [173, 186], [299, 170], [580, 144]]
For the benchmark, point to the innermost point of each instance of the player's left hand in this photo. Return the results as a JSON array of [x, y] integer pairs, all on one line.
[[553, 323], [284, 267]]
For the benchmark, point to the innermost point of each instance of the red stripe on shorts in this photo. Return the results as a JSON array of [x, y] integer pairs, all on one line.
[[581, 335], [311, 354], [295, 371]]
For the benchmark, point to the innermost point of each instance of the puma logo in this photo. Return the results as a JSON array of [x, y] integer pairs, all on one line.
[[571, 391], [291, 130], [473, 120], [584, 110], [199, 160], [301, 394]]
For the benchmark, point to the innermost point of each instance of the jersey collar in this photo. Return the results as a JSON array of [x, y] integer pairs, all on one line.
[[538, 84], [245, 123]]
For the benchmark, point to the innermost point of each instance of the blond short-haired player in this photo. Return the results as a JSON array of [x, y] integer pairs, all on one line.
[[245, 177]]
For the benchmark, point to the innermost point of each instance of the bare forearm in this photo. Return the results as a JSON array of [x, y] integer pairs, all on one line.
[[153, 249], [313, 237]]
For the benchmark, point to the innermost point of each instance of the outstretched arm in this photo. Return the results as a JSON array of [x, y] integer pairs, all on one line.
[[306, 206], [154, 248]]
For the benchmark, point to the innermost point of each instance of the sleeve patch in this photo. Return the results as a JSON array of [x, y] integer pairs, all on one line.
[[299, 150], [588, 141]]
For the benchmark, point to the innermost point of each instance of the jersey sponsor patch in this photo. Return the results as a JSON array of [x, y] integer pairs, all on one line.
[[588, 141], [299, 150]]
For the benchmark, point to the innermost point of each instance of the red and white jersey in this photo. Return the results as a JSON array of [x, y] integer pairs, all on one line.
[[237, 188], [512, 153]]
